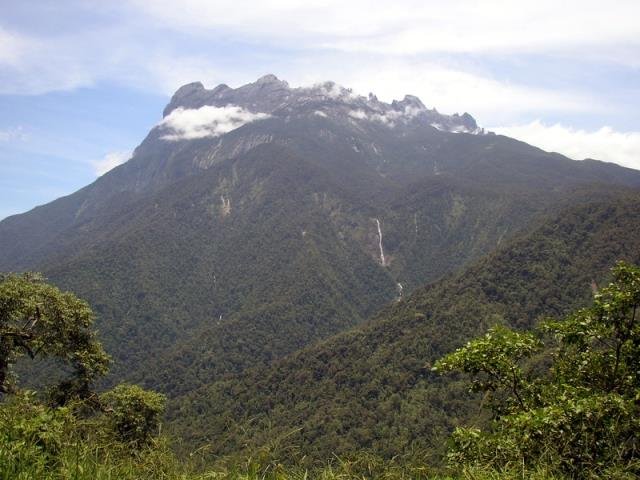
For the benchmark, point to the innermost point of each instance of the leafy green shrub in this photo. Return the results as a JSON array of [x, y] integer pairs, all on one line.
[[134, 413], [582, 416], [30, 433]]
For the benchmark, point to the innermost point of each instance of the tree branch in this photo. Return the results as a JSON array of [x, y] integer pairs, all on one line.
[[514, 387]]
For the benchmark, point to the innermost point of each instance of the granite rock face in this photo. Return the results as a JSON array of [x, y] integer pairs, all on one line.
[[271, 95]]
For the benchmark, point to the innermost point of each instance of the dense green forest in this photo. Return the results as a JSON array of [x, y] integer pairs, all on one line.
[[563, 398], [372, 388], [564, 395], [315, 295], [206, 257]]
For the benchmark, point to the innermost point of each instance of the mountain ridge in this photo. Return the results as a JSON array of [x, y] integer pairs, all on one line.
[[195, 245], [273, 96]]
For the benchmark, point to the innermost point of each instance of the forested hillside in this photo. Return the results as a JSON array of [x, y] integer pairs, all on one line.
[[205, 256], [288, 277], [372, 388]]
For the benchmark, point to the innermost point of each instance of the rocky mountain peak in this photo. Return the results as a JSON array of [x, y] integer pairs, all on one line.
[[468, 121], [223, 87], [270, 78], [410, 101], [273, 96]]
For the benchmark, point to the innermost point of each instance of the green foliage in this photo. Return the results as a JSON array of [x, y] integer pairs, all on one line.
[[584, 417], [59, 443], [134, 413], [493, 360], [30, 433], [582, 427], [151, 247], [369, 389], [113, 436], [600, 346], [37, 319]]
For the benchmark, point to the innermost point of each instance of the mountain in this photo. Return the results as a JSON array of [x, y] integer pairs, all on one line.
[[252, 222], [371, 388]]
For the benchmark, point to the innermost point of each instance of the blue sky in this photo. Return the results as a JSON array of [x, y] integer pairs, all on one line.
[[82, 82]]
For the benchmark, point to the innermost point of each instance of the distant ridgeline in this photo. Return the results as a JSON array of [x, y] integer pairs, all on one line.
[[253, 225]]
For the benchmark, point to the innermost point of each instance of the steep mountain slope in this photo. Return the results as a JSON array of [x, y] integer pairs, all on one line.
[[254, 221], [371, 388], [265, 278]]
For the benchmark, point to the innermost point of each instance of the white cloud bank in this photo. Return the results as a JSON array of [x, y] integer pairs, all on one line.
[[110, 161], [449, 90], [419, 47], [207, 121], [409, 27], [606, 144]]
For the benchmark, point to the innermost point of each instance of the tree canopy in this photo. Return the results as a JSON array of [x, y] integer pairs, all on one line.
[[75, 428], [39, 320], [578, 406]]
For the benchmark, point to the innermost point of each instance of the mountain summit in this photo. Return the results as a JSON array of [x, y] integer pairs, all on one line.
[[272, 96]]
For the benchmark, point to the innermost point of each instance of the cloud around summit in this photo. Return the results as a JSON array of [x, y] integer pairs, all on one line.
[[573, 66], [206, 121]]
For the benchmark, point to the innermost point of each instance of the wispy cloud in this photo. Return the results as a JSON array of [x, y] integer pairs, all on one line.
[[110, 161], [456, 57], [207, 121], [418, 47], [453, 90], [13, 134], [409, 27], [36, 63], [12, 47], [32, 65], [602, 144]]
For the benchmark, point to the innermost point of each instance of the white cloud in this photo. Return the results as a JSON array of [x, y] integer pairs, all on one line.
[[359, 115], [408, 27], [419, 47], [502, 27], [603, 144], [12, 47], [333, 90], [34, 64], [446, 88], [151, 45], [110, 161], [207, 121], [12, 134]]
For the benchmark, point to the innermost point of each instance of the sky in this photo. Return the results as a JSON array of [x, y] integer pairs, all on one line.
[[82, 82]]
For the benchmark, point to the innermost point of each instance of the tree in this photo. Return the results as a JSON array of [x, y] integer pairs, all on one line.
[[39, 320], [581, 413], [494, 362], [134, 413]]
